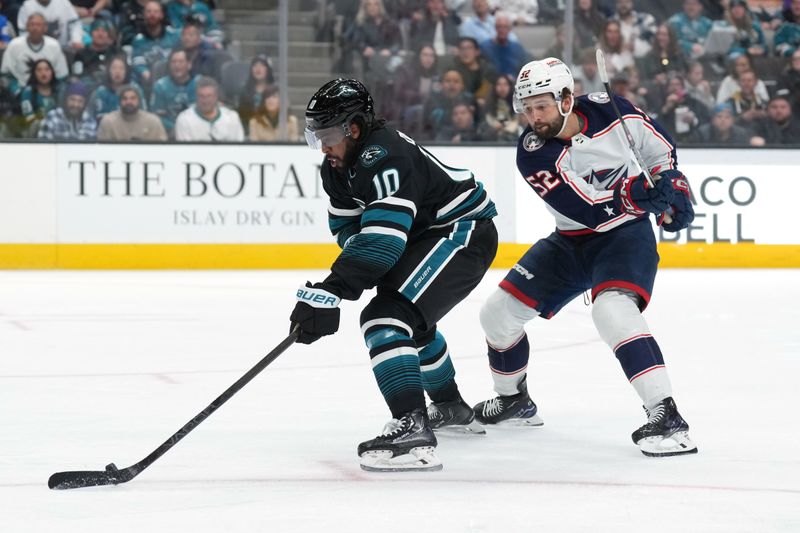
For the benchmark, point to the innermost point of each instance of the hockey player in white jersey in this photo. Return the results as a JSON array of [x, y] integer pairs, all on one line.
[[575, 156]]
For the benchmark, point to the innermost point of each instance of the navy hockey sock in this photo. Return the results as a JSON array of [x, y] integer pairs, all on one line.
[[395, 363], [509, 365]]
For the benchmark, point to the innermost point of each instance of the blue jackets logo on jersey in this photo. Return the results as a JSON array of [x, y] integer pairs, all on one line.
[[606, 178], [600, 98], [372, 154], [531, 142]]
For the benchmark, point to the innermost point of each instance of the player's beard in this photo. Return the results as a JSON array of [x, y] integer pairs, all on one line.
[[551, 130], [349, 158]]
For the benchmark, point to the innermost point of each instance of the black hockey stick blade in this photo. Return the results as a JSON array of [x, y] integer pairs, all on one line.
[[90, 478], [77, 479]]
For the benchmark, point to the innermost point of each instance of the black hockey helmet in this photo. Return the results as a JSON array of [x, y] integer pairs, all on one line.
[[334, 107]]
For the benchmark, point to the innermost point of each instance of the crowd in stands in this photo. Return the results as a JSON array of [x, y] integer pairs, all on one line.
[[710, 71], [123, 70]]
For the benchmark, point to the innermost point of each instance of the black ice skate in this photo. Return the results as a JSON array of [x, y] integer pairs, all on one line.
[[455, 417], [407, 443], [516, 410], [666, 432]]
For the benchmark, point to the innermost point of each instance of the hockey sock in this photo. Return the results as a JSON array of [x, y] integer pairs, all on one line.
[[438, 374], [509, 365], [395, 363], [621, 325]]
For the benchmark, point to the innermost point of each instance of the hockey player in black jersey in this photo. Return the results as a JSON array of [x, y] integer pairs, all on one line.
[[575, 157], [421, 233]]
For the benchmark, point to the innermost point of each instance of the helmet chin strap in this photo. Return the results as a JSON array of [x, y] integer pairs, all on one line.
[[565, 115]]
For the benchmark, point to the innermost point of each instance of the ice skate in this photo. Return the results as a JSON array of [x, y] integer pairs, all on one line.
[[406, 444], [666, 433], [454, 417], [516, 410]]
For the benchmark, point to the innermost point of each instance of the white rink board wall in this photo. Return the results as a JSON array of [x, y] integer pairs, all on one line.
[[201, 194]]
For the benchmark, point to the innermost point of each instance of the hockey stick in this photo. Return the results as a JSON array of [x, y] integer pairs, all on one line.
[[114, 476], [601, 69]]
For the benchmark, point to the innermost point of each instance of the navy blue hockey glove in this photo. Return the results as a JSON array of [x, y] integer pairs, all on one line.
[[634, 196], [316, 312], [681, 209]]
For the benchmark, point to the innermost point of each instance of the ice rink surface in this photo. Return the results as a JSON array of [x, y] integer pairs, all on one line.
[[104, 366]]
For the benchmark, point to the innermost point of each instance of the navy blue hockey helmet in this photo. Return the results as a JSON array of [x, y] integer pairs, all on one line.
[[333, 108]]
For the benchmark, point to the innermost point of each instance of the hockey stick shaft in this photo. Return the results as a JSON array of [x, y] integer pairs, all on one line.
[[113, 476], [601, 69]]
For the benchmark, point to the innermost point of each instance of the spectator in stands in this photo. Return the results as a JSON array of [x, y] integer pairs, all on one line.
[[730, 84], [557, 48], [749, 37], [71, 121], [131, 16], [437, 26], [438, 108], [175, 92], [748, 106], [207, 120], [589, 23], [6, 30], [154, 43], [505, 55], [179, 11], [375, 38], [9, 113], [478, 74], [697, 86], [587, 72], [638, 28], [39, 97], [105, 97], [523, 12], [666, 55], [130, 122], [90, 63], [691, 28], [202, 54], [790, 81], [90, 9], [479, 26], [63, 23], [414, 82], [621, 85], [778, 127], [787, 36], [259, 80], [618, 53], [24, 50], [462, 125], [681, 114], [722, 129], [264, 126], [500, 121]]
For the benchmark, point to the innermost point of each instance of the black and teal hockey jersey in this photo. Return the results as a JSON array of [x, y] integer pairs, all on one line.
[[394, 193]]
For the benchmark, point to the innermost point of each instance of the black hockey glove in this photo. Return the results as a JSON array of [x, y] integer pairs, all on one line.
[[682, 211], [634, 196], [316, 312]]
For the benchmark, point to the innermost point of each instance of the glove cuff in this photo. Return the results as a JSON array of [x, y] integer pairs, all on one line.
[[622, 195], [318, 297]]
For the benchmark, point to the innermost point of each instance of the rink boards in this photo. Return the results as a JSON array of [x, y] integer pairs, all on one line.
[[98, 206]]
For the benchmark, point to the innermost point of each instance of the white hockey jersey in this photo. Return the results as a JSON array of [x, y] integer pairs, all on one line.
[[576, 177]]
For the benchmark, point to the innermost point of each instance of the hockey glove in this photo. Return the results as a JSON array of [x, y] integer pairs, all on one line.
[[682, 211], [634, 196], [316, 312]]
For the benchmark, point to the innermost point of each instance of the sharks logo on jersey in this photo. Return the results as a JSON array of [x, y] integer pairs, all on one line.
[[372, 154], [606, 178], [532, 142]]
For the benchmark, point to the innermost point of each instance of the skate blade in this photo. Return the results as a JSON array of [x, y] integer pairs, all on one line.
[[421, 459], [473, 428], [676, 444], [535, 421]]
